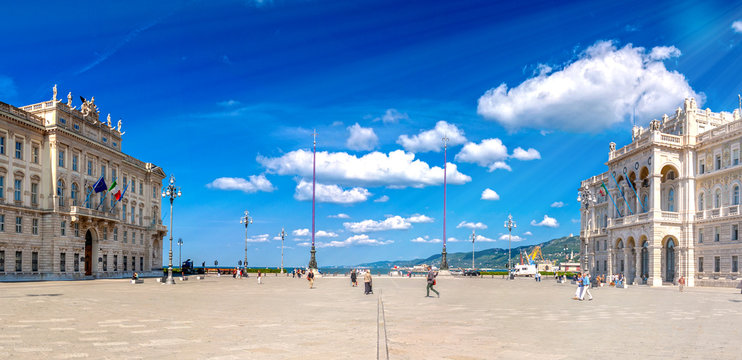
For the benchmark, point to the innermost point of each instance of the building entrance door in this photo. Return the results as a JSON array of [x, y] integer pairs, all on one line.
[[670, 263], [88, 253]]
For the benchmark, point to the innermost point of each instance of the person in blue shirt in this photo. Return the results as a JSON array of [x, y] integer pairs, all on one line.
[[586, 286]]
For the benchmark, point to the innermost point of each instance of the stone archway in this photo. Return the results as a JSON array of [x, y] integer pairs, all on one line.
[[91, 253], [670, 259]]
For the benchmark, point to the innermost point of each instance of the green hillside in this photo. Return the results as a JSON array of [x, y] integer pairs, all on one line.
[[495, 257]]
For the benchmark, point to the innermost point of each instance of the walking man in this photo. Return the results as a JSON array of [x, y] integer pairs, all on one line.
[[681, 283], [310, 277], [353, 278], [431, 282], [586, 286], [578, 292], [367, 282]]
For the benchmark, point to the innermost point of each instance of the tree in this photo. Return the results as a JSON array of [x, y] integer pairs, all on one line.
[[216, 262]]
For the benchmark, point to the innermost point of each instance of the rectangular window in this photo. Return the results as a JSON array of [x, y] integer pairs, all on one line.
[[34, 193], [123, 213], [141, 185], [154, 192], [718, 161], [2, 145], [105, 233], [19, 150], [115, 263], [35, 154], [126, 236], [90, 167], [35, 226], [18, 224], [2, 187], [105, 262], [701, 166], [61, 158], [735, 264], [700, 264], [34, 261], [735, 156], [18, 261], [141, 238], [735, 232], [605, 265], [133, 217], [700, 236], [2, 222], [17, 184], [115, 234], [133, 263], [63, 228], [141, 264], [113, 174], [126, 264], [103, 170], [62, 120], [133, 185], [717, 264], [62, 262], [140, 216], [76, 260], [76, 126], [716, 234], [2, 261], [74, 162], [77, 229]]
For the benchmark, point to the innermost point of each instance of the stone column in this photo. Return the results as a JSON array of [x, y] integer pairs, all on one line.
[[609, 270], [637, 264], [690, 279], [655, 265]]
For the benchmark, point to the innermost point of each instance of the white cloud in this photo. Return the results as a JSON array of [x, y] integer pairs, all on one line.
[[301, 232], [426, 240], [453, 239], [339, 216], [383, 198], [251, 185], [513, 238], [431, 140], [481, 238], [737, 26], [7, 88], [258, 238], [392, 116], [489, 194], [547, 221], [397, 169], [471, 225], [307, 232], [531, 154], [228, 103], [330, 193], [601, 88], [361, 239], [361, 138], [418, 218], [322, 233], [527, 233], [390, 223], [485, 153], [557, 204]]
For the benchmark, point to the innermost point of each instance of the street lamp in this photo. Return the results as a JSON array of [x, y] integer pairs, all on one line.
[[283, 236], [180, 260], [510, 224], [586, 197], [246, 220], [473, 237], [172, 192]]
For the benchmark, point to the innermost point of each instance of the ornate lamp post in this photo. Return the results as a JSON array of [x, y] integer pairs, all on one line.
[[444, 261], [180, 260], [283, 237], [312, 259], [510, 224], [247, 220], [586, 197], [172, 192], [473, 237]]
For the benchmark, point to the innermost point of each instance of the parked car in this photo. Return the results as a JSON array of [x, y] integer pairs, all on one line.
[[471, 273]]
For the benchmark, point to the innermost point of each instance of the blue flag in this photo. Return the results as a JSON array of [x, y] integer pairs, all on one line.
[[100, 185]]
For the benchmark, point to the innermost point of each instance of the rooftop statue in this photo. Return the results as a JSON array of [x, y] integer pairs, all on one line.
[[109, 121], [119, 128], [54, 91], [69, 99]]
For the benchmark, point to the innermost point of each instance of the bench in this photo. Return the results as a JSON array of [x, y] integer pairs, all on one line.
[[137, 281]]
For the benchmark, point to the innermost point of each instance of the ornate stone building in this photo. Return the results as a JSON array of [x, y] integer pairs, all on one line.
[[676, 189], [51, 155]]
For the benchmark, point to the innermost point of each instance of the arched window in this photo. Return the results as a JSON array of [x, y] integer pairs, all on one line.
[[671, 200], [700, 201], [646, 205], [717, 198], [73, 194], [88, 200], [645, 261], [60, 191], [735, 195]]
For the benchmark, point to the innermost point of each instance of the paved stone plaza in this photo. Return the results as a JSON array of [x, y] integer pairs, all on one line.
[[225, 318]]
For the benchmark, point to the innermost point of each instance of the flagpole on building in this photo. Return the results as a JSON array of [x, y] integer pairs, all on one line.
[[312, 259]]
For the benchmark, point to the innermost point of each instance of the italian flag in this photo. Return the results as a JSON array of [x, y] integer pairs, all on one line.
[[603, 189], [115, 190], [120, 194]]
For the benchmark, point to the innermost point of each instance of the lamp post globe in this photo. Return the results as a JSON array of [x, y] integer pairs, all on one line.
[[171, 192]]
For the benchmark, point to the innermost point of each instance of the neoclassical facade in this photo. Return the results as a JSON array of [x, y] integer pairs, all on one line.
[[51, 155], [669, 203]]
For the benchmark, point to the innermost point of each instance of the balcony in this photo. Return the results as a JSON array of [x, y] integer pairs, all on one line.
[[84, 214]]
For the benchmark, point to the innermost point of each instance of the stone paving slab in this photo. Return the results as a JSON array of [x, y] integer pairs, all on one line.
[[226, 318]]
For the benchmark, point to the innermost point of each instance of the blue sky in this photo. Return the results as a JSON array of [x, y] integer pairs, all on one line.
[[225, 95]]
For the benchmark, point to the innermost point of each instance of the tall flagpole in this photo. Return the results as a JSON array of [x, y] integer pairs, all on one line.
[[444, 261], [313, 260]]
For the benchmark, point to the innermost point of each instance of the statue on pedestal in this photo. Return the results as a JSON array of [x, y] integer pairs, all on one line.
[[69, 99], [109, 121], [54, 91], [119, 128]]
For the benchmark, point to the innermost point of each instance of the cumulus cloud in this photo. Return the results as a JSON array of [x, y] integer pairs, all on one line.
[[431, 140], [525, 155], [471, 225], [361, 239], [481, 238], [604, 86], [301, 232], [361, 138], [489, 194], [547, 221], [737, 26], [339, 216], [307, 232], [489, 153], [397, 169], [383, 198], [322, 233], [527, 233], [426, 239], [392, 116], [330, 193], [557, 204], [513, 238], [390, 223], [250, 185], [258, 238]]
